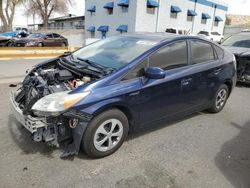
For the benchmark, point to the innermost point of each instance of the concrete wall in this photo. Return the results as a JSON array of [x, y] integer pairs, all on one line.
[[139, 18]]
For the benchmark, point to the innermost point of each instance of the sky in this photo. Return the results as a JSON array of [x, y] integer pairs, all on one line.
[[238, 6], [20, 19], [234, 7]]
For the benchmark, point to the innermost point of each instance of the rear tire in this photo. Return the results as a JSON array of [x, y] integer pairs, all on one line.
[[219, 99], [105, 133], [63, 44]]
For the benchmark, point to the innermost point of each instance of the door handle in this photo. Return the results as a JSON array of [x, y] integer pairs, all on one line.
[[217, 71], [186, 82]]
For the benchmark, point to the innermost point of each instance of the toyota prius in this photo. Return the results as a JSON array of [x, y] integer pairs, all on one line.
[[92, 98]]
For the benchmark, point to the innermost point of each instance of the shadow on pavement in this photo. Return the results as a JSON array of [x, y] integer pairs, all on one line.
[[233, 160], [22, 139], [160, 125], [242, 84]]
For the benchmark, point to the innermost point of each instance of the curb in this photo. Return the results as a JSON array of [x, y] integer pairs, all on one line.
[[33, 52]]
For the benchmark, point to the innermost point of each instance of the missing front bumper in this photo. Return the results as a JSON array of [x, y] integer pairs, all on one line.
[[52, 132], [30, 123]]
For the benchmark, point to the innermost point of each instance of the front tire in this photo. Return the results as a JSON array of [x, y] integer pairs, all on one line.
[[105, 133], [219, 99], [40, 44]]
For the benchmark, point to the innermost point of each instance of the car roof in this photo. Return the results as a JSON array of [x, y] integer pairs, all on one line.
[[159, 36]]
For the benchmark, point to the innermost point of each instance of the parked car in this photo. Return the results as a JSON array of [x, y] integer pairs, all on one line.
[[239, 45], [178, 31], [97, 94], [212, 35], [7, 39], [41, 39]]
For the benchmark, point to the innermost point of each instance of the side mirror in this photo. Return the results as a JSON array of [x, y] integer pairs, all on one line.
[[154, 73]]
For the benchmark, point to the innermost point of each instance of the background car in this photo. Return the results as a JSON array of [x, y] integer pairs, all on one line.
[[239, 45], [7, 38], [178, 31], [97, 94], [40, 40], [211, 35]]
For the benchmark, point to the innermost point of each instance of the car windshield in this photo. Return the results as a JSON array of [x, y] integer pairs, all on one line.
[[238, 41], [35, 35], [114, 52]]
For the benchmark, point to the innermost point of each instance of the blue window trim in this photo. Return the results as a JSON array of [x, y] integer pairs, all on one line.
[[109, 5], [152, 4], [191, 13], [205, 16], [123, 3], [92, 8], [103, 28], [211, 4], [122, 28], [218, 19], [175, 9], [91, 29]]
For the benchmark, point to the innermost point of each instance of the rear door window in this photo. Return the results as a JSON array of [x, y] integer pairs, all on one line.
[[202, 52], [49, 36], [56, 35]]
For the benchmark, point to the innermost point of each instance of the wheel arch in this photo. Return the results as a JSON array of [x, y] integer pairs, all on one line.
[[124, 109], [229, 84]]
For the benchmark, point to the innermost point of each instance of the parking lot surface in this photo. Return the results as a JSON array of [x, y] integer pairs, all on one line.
[[202, 150]]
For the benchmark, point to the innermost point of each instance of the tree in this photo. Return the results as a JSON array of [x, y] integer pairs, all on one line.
[[45, 8], [7, 12], [228, 20]]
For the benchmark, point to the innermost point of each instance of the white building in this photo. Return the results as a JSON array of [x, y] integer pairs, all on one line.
[[111, 17]]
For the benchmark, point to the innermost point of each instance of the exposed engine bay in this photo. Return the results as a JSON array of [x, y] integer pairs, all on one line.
[[42, 82], [53, 77]]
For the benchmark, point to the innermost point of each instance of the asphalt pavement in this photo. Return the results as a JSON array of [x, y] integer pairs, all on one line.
[[203, 150]]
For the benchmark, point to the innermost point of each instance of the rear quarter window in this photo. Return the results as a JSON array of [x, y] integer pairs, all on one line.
[[201, 52], [219, 52]]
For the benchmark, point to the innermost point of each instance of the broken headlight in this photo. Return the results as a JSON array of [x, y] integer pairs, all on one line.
[[58, 102]]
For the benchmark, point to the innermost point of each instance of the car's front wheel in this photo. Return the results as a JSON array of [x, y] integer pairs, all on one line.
[[219, 99], [105, 133]]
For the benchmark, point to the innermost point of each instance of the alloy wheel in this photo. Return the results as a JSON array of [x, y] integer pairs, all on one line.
[[221, 98], [108, 135]]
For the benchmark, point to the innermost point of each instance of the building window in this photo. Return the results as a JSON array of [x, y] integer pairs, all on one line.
[[151, 6], [204, 18], [92, 35], [216, 24], [174, 11], [109, 6], [190, 15], [103, 29], [92, 9], [122, 28], [190, 18]]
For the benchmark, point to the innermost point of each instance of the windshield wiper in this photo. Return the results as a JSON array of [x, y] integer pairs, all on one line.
[[100, 68]]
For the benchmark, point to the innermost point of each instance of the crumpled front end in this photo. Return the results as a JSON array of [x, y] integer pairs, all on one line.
[[53, 128]]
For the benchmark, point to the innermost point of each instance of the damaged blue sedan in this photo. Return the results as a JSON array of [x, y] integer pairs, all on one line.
[[91, 98]]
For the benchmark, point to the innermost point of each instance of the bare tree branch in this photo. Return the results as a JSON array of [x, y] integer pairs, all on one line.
[[7, 13], [46, 8]]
